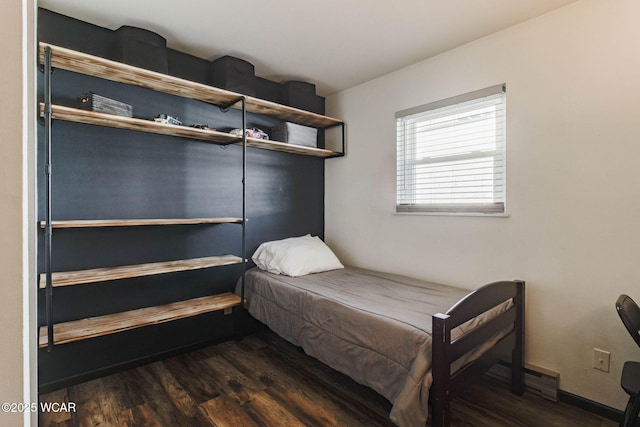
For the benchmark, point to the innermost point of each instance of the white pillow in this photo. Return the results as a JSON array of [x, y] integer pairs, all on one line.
[[296, 256]]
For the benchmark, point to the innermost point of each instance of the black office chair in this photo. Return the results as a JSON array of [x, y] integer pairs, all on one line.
[[630, 314]]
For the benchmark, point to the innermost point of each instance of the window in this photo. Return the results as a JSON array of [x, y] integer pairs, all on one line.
[[451, 155]]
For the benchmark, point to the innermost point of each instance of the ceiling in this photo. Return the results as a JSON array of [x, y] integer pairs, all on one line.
[[336, 44]]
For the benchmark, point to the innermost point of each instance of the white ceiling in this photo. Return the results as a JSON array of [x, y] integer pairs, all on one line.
[[335, 44]]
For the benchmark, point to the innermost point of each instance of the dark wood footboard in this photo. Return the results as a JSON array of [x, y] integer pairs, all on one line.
[[445, 351]]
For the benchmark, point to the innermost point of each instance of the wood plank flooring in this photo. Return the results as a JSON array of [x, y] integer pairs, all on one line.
[[265, 381]]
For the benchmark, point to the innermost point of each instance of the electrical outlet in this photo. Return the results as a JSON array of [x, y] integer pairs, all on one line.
[[601, 359], [227, 310]]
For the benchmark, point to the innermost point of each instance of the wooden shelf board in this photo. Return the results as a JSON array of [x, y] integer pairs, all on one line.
[[87, 223], [120, 122], [112, 323], [80, 62], [290, 114], [67, 278], [289, 148]]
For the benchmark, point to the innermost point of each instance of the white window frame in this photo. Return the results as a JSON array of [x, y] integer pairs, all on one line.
[[433, 183]]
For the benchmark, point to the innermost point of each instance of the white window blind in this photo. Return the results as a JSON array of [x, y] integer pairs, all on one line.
[[451, 155]]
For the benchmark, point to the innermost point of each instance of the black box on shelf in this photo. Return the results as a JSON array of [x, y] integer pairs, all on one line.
[[92, 102], [187, 66], [141, 48], [234, 74], [268, 90], [302, 95]]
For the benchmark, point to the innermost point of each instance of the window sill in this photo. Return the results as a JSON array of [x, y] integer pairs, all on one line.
[[475, 214]]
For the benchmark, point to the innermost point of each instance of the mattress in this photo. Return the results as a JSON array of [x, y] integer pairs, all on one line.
[[374, 327]]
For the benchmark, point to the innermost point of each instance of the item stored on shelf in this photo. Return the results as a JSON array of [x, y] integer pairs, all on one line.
[[268, 89], [251, 133], [302, 95], [141, 48], [293, 133], [100, 104], [204, 127], [167, 120], [234, 74]]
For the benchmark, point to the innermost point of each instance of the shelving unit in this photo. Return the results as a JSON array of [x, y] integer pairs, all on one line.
[[115, 71], [57, 57]]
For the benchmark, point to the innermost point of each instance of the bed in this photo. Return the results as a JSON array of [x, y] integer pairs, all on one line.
[[382, 330]]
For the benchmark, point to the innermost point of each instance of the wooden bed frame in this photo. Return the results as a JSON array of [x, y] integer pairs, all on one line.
[[505, 330], [445, 351]]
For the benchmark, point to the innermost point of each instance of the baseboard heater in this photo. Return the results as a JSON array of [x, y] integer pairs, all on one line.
[[536, 379]]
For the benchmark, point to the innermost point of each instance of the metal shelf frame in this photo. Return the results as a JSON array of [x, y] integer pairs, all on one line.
[[53, 57]]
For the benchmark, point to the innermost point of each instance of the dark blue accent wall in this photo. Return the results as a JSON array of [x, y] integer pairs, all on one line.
[[106, 173]]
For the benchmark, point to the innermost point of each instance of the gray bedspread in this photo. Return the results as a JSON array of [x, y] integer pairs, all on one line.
[[372, 326]]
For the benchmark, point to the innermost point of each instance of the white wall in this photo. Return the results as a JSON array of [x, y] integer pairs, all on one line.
[[573, 183], [17, 227]]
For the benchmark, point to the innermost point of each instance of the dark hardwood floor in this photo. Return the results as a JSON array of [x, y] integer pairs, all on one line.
[[265, 381]]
